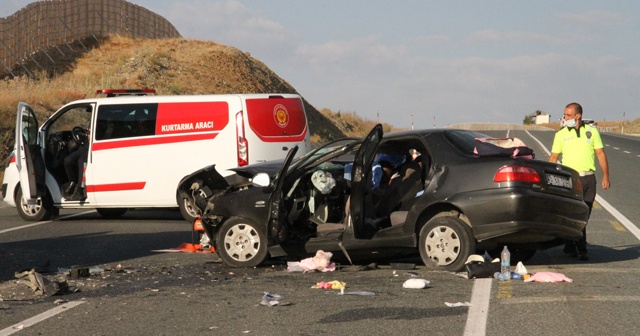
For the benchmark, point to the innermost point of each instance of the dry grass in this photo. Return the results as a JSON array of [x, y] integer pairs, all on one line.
[[351, 124]]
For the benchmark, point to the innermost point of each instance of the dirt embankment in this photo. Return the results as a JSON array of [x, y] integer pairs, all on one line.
[[170, 66]]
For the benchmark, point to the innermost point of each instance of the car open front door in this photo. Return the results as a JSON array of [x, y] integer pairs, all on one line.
[[27, 153], [276, 220], [361, 179]]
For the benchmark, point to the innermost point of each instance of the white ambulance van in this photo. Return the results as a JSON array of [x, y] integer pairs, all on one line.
[[140, 147]]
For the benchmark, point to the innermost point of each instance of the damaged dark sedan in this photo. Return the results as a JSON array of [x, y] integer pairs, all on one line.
[[437, 198]]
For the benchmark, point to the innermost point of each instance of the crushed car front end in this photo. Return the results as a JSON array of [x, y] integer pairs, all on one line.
[[218, 198]]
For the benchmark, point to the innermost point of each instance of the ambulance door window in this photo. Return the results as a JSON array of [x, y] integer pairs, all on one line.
[[59, 137], [75, 116]]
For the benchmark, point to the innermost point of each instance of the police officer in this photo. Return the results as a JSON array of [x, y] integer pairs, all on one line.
[[579, 145]]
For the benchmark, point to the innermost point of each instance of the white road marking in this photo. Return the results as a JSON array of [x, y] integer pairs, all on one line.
[[620, 217], [565, 298], [477, 318], [23, 227], [26, 226], [39, 318], [539, 143], [627, 152]]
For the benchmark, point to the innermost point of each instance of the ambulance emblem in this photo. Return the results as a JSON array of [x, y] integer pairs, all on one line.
[[281, 115]]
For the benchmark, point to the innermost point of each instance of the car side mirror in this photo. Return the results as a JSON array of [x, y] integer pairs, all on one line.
[[261, 180]]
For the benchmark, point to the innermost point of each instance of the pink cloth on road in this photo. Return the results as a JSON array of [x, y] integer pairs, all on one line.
[[548, 277]]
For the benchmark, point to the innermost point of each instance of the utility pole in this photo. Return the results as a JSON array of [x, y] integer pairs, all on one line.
[[412, 121]]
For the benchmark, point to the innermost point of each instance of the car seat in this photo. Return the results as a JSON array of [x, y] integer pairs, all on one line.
[[334, 230]]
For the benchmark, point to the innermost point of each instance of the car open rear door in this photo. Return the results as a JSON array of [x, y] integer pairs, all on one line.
[[276, 220], [27, 149], [361, 178]]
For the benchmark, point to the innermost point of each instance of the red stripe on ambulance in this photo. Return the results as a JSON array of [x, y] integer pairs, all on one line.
[[116, 187], [134, 142]]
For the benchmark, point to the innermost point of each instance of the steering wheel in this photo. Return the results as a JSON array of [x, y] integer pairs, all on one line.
[[80, 134]]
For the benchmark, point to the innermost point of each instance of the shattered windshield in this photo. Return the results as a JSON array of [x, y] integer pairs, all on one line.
[[322, 154]]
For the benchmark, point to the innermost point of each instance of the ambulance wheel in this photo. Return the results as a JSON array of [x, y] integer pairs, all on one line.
[[241, 243], [111, 213], [42, 210], [448, 241], [188, 211]]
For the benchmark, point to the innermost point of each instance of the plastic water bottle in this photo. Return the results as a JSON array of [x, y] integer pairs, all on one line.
[[505, 264]]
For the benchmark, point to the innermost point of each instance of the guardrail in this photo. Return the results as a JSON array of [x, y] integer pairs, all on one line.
[[609, 129], [498, 127], [44, 25], [503, 127]]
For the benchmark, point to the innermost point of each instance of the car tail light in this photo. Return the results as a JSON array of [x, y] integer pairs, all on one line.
[[517, 174], [243, 145]]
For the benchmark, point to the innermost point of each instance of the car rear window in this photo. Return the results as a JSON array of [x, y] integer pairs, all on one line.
[[464, 140]]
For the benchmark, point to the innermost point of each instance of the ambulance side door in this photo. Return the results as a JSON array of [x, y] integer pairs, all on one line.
[[28, 154]]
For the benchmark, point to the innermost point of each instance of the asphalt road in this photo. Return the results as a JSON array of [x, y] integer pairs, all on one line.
[[136, 291]]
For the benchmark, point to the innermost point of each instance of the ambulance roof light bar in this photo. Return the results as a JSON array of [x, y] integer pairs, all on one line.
[[126, 92]]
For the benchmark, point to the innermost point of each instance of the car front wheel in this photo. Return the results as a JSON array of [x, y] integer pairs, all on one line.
[[448, 241], [241, 243], [42, 210]]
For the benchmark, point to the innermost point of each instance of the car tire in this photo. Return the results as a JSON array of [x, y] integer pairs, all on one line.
[[188, 211], [241, 243], [111, 213], [447, 241], [43, 210]]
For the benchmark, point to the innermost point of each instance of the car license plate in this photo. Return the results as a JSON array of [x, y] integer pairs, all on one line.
[[559, 181]]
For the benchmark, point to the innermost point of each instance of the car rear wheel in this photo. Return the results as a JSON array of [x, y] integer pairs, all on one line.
[[448, 241], [42, 210], [241, 243], [111, 213]]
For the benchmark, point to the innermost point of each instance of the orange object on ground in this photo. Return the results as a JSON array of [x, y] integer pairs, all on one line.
[[197, 225], [189, 248], [186, 247]]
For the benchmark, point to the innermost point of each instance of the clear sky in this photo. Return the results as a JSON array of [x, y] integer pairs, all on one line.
[[445, 62]]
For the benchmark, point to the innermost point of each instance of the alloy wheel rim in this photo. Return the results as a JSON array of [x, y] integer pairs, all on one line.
[[242, 242], [31, 210], [443, 245]]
